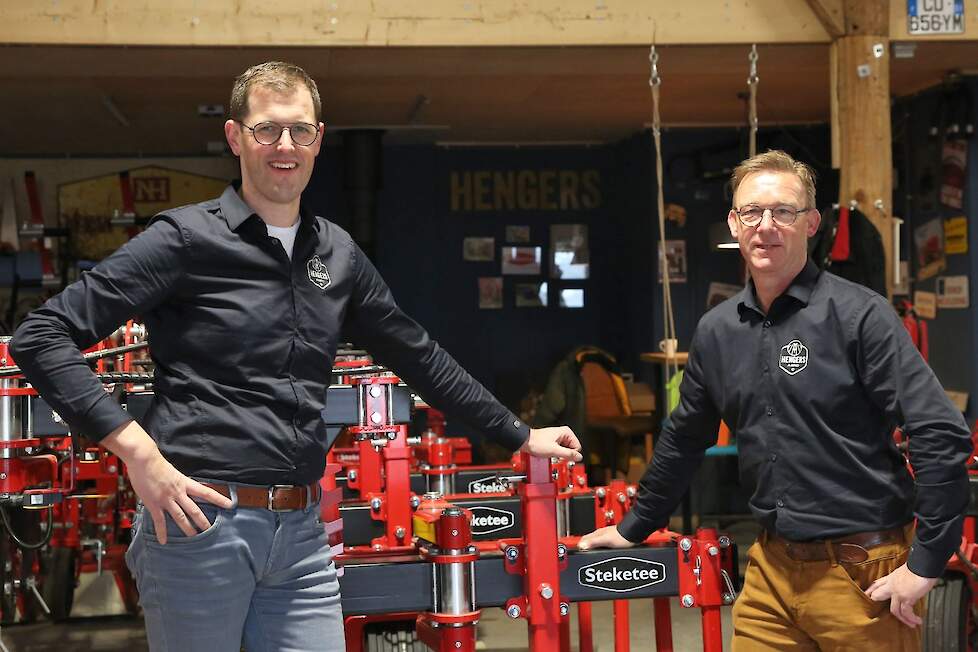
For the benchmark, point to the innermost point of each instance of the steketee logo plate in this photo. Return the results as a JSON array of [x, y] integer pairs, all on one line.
[[622, 574]]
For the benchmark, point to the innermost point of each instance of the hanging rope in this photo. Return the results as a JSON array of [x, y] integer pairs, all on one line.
[[752, 80], [668, 321]]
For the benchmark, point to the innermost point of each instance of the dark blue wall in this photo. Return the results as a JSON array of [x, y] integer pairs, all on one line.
[[917, 154], [419, 245]]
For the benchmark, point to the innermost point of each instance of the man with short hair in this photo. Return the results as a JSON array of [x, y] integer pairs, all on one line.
[[244, 298], [812, 373]]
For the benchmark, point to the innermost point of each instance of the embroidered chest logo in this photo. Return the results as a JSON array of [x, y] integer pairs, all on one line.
[[794, 357], [318, 274]]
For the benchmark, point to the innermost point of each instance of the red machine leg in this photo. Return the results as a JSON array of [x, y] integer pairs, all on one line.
[[126, 584], [355, 627], [663, 625], [712, 630], [542, 579], [585, 637], [622, 630], [565, 645], [446, 639], [701, 584], [397, 473]]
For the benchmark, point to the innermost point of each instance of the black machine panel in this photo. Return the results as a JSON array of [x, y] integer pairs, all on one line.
[[43, 421], [593, 575]]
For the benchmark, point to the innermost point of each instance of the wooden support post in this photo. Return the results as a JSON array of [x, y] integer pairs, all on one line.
[[862, 91]]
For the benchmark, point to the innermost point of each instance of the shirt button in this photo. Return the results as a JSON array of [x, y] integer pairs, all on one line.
[[780, 503], [516, 424], [774, 457], [766, 368], [770, 412]]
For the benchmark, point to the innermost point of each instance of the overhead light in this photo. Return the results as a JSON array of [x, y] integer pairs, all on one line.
[[720, 238], [210, 110], [517, 144], [904, 50]]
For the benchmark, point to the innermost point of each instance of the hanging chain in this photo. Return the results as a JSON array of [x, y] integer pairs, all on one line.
[[654, 79], [752, 81], [668, 321]]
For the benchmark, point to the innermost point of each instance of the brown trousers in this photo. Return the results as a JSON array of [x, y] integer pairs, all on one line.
[[818, 605]]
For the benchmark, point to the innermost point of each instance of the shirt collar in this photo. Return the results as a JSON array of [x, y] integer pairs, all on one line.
[[801, 289], [236, 212], [804, 284]]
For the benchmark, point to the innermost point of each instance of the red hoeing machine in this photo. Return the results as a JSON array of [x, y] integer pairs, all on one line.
[[428, 569]]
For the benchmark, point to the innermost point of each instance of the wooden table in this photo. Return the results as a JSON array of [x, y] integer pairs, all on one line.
[[660, 358]]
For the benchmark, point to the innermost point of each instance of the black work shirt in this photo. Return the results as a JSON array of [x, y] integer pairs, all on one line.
[[813, 390], [243, 339]]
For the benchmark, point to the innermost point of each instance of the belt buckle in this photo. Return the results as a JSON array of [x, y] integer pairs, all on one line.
[[271, 497]]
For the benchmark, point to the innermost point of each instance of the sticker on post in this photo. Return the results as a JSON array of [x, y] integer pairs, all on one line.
[[622, 574]]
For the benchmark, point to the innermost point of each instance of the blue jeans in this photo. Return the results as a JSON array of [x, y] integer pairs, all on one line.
[[255, 577]]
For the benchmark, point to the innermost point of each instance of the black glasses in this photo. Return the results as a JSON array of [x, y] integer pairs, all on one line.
[[782, 215], [268, 133]]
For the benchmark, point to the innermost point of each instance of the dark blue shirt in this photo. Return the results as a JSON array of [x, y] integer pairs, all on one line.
[[812, 391], [243, 340]]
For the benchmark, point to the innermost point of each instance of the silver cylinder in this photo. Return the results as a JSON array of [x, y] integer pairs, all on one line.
[[443, 483], [453, 589], [563, 518], [11, 418]]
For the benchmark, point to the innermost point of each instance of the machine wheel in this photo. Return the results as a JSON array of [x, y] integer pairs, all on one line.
[[948, 620], [59, 582]]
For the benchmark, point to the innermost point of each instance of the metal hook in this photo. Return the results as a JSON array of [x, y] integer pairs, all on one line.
[[654, 79], [752, 57]]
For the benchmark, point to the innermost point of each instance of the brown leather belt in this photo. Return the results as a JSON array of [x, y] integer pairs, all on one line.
[[277, 497], [852, 548]]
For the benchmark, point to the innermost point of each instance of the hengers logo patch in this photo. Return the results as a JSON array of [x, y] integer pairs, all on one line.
[[794, 357], [318, 274]]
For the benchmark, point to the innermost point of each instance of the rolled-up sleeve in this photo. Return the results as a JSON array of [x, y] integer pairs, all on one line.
[[47, 345]]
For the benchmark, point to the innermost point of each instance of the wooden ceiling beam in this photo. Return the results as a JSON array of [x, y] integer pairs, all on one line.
[[831, 14], [304, 23]]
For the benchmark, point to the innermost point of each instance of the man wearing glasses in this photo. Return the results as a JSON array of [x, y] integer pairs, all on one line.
[[244, 297], [813, 373]]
